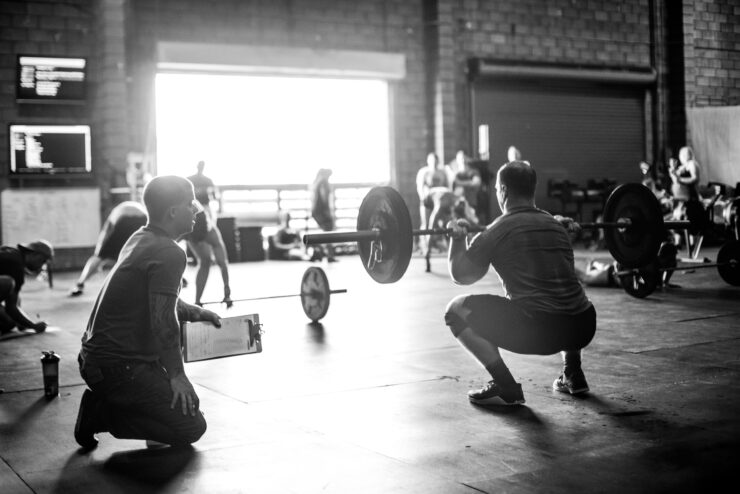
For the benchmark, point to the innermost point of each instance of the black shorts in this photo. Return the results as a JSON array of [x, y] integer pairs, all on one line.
[[122, 230], [506, 325]]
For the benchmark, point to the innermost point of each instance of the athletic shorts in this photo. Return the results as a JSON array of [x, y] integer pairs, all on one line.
[[506, 325], [122, 230]]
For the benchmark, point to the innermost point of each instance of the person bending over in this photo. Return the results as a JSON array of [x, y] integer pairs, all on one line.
[[205, 241], [131, 355], [122, 222], [14, 262], [545, 309]]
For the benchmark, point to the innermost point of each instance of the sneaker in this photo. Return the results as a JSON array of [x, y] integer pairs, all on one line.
[[152, 444], [493, 394], [85, 425], [575, 384], [77, 290]]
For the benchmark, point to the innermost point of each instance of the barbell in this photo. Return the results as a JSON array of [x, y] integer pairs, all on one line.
[[641, 282], [633, 224], [315, 294]]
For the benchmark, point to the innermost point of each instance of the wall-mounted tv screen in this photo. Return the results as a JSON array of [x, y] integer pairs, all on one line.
[[38, 150], [50, 79]]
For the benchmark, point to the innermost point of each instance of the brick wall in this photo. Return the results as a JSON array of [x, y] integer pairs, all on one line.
[[712, 52]]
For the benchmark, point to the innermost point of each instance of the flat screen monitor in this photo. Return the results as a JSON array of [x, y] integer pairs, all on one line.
[[50, 79], [39, 150]]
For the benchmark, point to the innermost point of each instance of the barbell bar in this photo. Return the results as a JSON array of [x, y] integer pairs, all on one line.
[[315, 294], [633, 224]]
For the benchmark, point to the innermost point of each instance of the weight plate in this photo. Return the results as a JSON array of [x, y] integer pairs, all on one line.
[[729, 252], [638, 244], [315, 293], [641, 282], [384, 209]]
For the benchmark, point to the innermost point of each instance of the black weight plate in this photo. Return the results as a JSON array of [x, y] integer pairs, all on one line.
[[315, 293], [638, 244], [641, 282], [728, 271], [383, 208]]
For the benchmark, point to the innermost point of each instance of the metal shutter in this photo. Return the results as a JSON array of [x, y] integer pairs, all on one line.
[[567, 129]]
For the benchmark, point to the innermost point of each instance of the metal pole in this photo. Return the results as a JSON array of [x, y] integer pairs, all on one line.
[[332, 292]]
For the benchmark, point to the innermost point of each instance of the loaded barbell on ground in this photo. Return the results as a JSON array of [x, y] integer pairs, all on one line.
[[315, 294], [641, 282], [633, 224]]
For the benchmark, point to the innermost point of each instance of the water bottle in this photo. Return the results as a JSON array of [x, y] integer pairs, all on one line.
[[50, 370]]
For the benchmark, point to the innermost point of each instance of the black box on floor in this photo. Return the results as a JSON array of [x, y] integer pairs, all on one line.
[[251, 247]]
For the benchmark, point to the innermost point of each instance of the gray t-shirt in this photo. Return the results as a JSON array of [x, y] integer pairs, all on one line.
[[119, 328], [533, 257]]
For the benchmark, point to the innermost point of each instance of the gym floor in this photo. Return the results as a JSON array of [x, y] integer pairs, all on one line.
[[373, 400]]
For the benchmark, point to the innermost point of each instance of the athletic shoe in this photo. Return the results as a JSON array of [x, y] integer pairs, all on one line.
[[77, 290], [493, 394], [152, 444], [85, 425], [574, 384]]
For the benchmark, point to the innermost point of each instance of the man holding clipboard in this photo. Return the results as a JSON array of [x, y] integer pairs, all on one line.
[[131, 356]]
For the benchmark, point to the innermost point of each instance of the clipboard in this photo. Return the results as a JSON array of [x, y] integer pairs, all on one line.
[[237, 335]]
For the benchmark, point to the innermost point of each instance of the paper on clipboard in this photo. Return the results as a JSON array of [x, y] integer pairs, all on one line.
[[237, 335]]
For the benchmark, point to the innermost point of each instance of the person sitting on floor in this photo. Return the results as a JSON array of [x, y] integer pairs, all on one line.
[[286, 244]]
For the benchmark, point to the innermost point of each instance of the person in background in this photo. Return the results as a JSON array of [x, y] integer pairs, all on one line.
[[513, 154], [286, 245], [122, 222], [685, 175], [14, 262], [467, 183], [131, 353], [205, 241], [322, 209], [431, 176]]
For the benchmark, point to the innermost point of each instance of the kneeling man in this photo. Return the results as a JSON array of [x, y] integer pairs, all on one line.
[[131, 355]]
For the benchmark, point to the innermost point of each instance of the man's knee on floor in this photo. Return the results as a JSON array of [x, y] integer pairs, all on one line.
[[455, 315], [194, 431]]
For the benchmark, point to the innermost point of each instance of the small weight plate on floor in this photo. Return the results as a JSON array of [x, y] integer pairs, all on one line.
[[384, 209], [641, 282], [638, 244], [729, 252], [315, 293]]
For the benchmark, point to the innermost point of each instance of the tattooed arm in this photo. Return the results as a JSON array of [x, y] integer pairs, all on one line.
[[188, 312], [166, 329]]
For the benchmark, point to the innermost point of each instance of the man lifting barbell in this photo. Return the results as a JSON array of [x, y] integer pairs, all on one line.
[[545, 309]]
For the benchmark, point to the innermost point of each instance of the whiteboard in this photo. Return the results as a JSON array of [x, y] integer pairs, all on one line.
[[68, 217]]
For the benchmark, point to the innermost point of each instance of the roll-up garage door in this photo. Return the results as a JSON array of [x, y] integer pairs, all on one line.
[[572, 130]]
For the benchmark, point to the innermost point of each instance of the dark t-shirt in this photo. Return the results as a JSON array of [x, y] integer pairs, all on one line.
[[119, 328], [533, 257], [202, 185], [11, 264]]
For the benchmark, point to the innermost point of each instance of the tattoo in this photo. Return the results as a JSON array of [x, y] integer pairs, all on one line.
[[187, 312], [164, 320]]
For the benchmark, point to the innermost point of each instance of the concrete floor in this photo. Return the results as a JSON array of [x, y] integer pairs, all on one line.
[[374, 399]]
